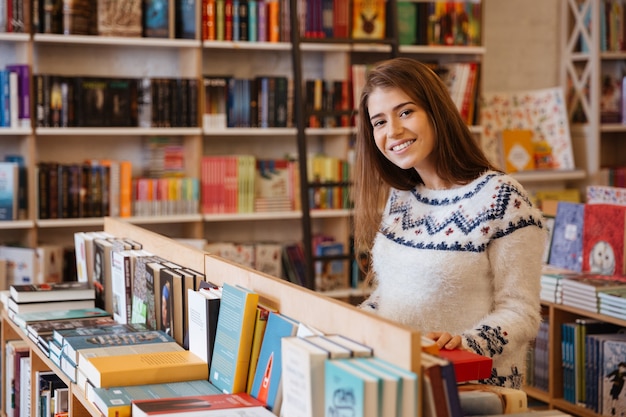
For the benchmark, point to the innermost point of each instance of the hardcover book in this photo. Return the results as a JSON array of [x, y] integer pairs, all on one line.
[[303, 378], [52, 292], [9, 186], [117, 401], [267, 384], [603, 241], [233, 339], [119, 18], [368, 19], [349, 390], [156, 19], [111, 336], [566, 247], [201, 405], [468, 366], [48, 306], [144, 368]]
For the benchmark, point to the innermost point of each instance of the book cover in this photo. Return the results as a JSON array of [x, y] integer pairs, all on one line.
[[518, 150], [233, 339], [267, 385], [389, 387], [48, 306], [21, 264], [303, 378], [47, 327], [200, 405], [102, 249], [23, 319], [156, 19], [122, 335], [51, 292], [435, 398], [119, 18], [203, 307], [23, 93], [9, 184], [260, 324], [122, 272], [186, 19], [603, 241], [144, 368], [368, 19], [349, 390], [468, 366], [566, 247], [408, 402], [613, 375], [117, 401]]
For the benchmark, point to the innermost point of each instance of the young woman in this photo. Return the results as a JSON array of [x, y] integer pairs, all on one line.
[[455, 245]]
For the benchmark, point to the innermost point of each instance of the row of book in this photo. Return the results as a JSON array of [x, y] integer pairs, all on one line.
[[440, 23], [612, 26], [77, 101], [263, 101], [327, 103], [242, 348], [14, 88]]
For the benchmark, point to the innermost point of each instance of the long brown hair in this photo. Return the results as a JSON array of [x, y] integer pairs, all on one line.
[[458, 157]]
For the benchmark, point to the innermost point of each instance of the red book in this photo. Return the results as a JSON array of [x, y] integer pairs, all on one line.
[[603, 239], [468, 366]]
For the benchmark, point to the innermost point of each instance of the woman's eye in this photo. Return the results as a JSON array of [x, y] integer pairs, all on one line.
[[405, 113], [378, 123]]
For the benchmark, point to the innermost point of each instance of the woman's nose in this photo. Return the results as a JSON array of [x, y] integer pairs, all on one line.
[[394, 128]]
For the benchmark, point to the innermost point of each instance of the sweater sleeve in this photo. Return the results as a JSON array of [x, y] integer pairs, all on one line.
[[515, 316]]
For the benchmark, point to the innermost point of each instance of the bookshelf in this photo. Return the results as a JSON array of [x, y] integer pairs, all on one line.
[[556, 315], [586, 58], [294, 57], [400, 344]]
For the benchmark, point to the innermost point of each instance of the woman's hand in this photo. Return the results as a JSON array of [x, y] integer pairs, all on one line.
[[445, 340]]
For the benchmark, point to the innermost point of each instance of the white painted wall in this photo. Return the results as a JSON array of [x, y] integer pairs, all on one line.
[[522, 42]]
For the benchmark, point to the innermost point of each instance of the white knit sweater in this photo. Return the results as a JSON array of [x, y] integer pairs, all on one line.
[[466, 261]]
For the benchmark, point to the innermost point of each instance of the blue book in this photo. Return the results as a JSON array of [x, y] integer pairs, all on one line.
[[9, 173], [233, 339], [349, 391], [566, 248], [252, 21], [5, 99], [267, 384]]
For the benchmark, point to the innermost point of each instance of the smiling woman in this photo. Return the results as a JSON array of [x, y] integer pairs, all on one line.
[[455, 245]]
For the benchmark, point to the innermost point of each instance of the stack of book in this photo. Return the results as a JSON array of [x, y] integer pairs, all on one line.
[[581, 290], [38, 298]]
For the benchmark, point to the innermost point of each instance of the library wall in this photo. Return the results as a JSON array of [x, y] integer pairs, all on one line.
[[522, 40]]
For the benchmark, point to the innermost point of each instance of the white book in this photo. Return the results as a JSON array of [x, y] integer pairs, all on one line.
[[303, 378], [335, 351], [14, 99], [122, 272], [21, 264], [359, 350]]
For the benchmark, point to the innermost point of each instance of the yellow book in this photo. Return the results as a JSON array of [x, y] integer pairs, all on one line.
[[144, 368], [518, 150], [368, 19], [260, 322]]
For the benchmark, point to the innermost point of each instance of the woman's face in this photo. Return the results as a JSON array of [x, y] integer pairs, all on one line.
[[402, 129]]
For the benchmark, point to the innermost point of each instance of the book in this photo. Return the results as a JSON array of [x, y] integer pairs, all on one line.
[[442, 390], [613, 370], [368, 19], [518, 150], [122, 272], [512, 401], [303, 377], [335, 350], [358, 350], [240, 404], [51, 292], [39, 329], [9, 173], [48, 306], [267, 383], [476, 402], [24, 319], [203, 307], [468, 366], [14, 349], [349, 390], [21, 264], [144, 368], [408, 402], [233, 339], [566, 247], [603, 242], [260, 324], [47, 383], [389, 387], [156, 19], [109, 336], [117, 401]]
